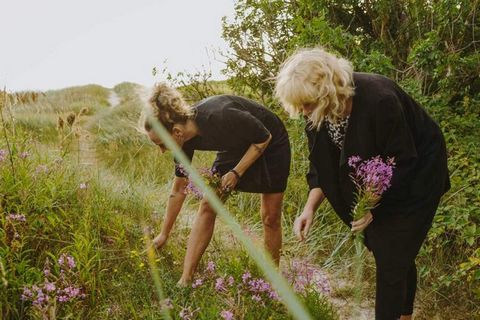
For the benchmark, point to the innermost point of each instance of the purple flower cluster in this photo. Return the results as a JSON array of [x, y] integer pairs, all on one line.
[[60, 289], [66, 261], [255, 289], [211, 177], [303, 275], [197, 283], [191, 188], [42, 168], [261, 289], [226, 315], [373, 175], [16, 217], [24, 155], [210, 266], [220, 285], [69, 293], [3, 155]]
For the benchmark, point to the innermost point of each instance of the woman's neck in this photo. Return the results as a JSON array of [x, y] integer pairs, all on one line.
[[191, 129]]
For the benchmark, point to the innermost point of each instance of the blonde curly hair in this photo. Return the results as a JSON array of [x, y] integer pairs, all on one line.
[[315, 76], [168, 107]]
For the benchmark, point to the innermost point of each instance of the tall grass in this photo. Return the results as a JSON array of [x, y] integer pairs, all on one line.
[[102, 216], [106, 225]]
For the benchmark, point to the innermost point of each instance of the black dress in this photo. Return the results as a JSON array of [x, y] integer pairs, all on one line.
[[385, 121], [230, 125]]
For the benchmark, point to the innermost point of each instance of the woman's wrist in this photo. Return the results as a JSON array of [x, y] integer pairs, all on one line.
[[308, 212], [235, 172]]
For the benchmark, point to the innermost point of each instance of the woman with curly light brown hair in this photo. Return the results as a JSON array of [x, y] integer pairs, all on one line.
[[253, 155], [368, 115]]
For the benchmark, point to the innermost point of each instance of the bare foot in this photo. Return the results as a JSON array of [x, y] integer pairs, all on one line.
[[182, 283]]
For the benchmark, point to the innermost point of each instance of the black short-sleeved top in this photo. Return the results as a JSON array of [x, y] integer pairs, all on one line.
[[230, 125]]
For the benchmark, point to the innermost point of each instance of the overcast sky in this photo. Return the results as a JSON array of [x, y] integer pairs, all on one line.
[[52, 44]]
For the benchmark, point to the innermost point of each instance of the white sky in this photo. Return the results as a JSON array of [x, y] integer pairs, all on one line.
[[52, 44]]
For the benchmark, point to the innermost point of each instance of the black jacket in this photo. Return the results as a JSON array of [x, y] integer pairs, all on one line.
[[384, 121]]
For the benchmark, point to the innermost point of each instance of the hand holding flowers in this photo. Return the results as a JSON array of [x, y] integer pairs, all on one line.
[[372, 178], [214, 180], [360, 224], [230, 180]]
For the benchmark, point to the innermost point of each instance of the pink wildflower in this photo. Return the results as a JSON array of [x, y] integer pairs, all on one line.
[[226, 315], [210, 266], [3, 155], [49, 286], [220, 285], [373, 175], [197, 283], [246, 276], [353, 160], [67, 261], [24, 155], [27, 294], [17, 217]]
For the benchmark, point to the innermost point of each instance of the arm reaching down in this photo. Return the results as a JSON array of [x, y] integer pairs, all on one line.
[[304, 221], [174, 205]]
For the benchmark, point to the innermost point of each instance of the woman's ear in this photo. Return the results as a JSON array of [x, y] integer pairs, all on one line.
[[177, 131]]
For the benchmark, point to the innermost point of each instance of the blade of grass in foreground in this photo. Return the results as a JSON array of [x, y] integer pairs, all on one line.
[[156, 277], [290, 299]]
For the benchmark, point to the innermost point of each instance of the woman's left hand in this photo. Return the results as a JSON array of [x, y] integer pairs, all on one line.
[[360, 224], [229, 181]]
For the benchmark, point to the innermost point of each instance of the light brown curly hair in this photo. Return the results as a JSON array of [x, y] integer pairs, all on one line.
[[168, 107]]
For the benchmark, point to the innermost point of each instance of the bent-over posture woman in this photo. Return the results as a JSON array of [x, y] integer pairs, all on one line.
[[253, 155], [367, 115]]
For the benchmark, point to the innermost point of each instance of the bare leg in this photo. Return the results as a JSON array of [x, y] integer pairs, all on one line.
[[271, 209], [406, 317], [198, 241]]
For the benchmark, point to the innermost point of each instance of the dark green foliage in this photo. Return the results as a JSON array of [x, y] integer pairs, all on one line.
[[435, 43], [432, 49]]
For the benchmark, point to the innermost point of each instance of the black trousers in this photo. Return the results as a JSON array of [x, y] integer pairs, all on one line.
[[395, 241], [394, 299]]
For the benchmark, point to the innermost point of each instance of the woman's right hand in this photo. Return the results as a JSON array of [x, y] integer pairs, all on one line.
[[302, 224], [159, 241]]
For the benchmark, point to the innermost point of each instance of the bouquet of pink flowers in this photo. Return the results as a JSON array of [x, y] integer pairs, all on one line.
[[372, 178], [212, 178]]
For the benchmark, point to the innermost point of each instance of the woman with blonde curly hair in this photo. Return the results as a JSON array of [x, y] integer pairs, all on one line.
[[367, 115], [253, 155]]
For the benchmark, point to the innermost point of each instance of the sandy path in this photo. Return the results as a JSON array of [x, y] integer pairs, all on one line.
[[113, 99]]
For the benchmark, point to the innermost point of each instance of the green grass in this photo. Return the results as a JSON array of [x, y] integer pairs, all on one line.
[[103, 225]]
